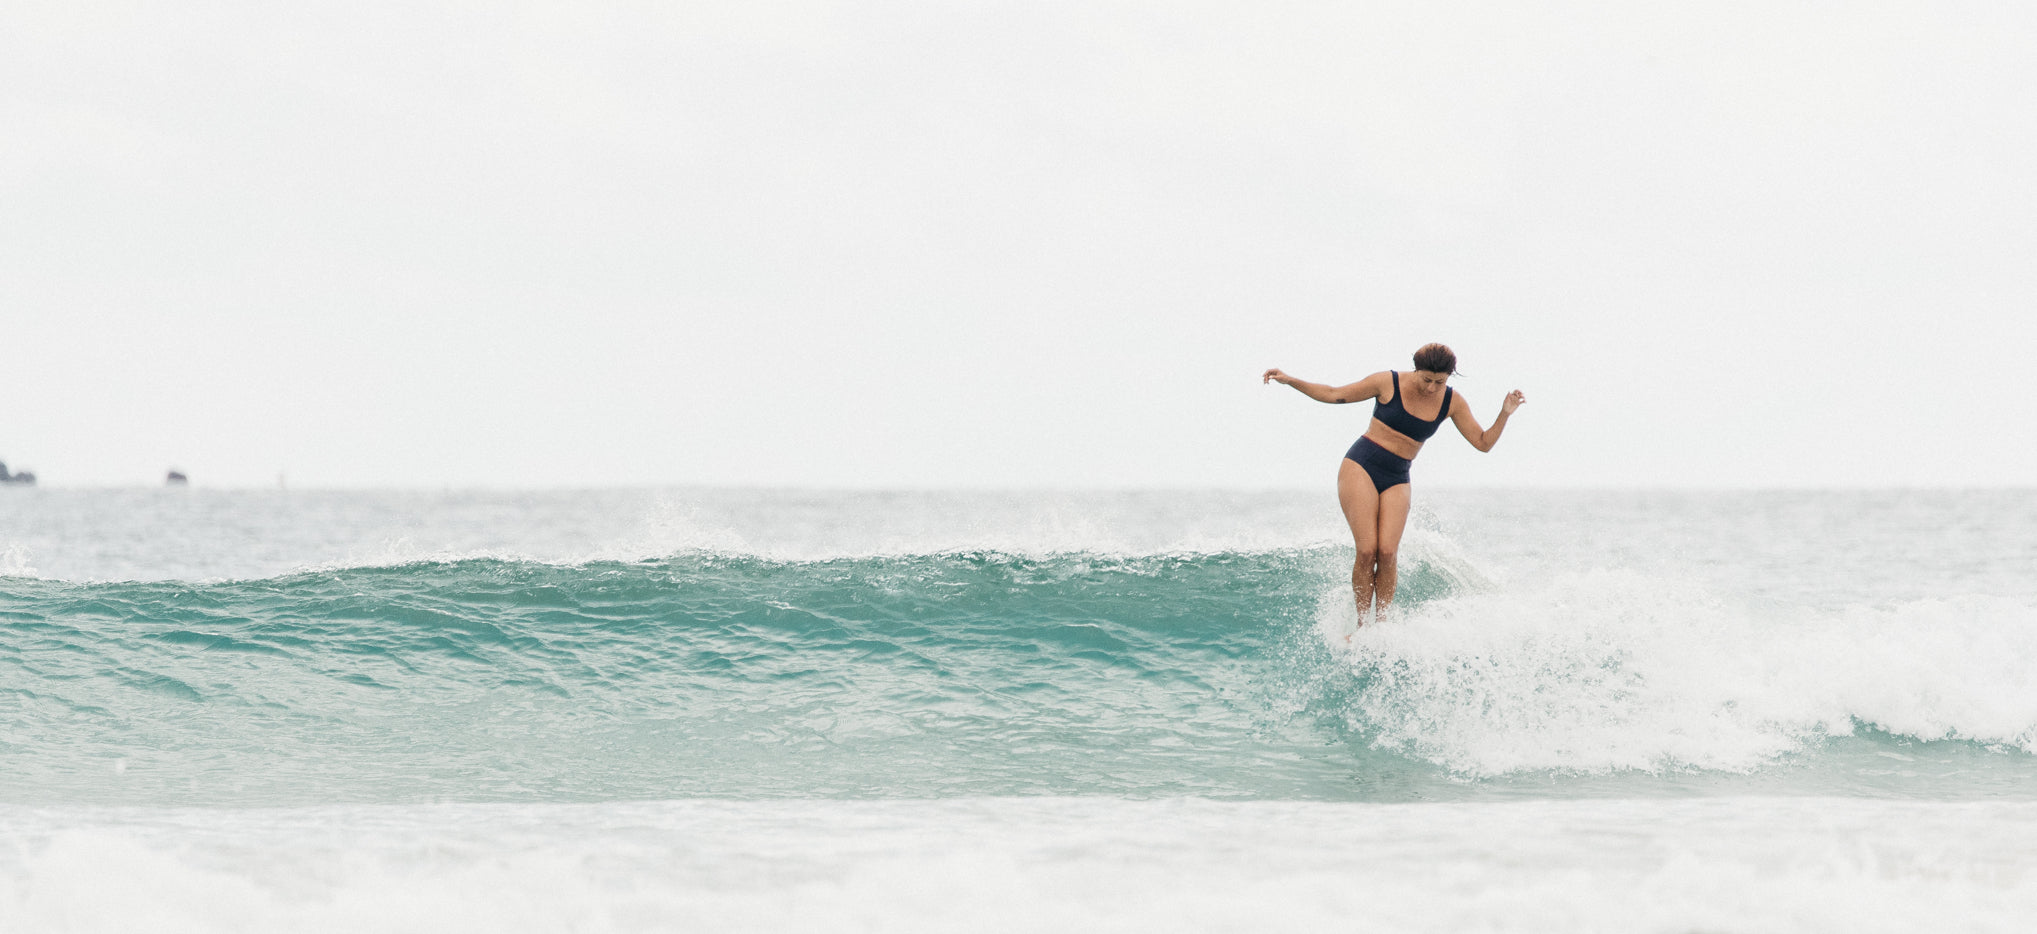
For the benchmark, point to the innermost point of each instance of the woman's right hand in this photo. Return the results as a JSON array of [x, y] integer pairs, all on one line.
[[1275, 376]]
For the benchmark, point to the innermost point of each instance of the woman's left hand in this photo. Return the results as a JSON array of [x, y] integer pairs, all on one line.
[[1514, 400]]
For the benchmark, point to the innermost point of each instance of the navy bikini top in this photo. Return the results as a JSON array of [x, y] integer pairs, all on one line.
[[1396, 416]]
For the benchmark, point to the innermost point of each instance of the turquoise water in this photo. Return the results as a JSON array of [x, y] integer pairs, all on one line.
[[697, 675], [208, 688], [986, 672]]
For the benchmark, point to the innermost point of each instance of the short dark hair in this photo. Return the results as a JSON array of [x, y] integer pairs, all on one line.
[[1436, 358]]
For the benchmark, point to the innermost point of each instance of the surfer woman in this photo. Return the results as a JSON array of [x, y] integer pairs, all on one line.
[[1372, 482]]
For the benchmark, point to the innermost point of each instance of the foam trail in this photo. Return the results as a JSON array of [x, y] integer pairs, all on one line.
[[1027, 865], [1612, 670]]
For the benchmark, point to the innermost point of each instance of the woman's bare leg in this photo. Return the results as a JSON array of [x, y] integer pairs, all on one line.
[[1361, 509], [1394, 505]]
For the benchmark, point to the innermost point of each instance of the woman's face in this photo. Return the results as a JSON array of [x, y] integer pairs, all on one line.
[[1428, 383]]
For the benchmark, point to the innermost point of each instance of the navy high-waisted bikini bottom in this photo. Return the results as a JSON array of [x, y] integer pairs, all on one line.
[[1386, 468]]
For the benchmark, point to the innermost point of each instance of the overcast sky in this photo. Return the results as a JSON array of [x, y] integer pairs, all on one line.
[[1012, 244]]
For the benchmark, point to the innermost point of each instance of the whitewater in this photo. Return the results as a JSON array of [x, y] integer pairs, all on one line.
[[780, 710]]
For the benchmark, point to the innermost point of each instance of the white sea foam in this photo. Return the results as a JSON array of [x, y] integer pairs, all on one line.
[[1030, 864], [1617, 670]]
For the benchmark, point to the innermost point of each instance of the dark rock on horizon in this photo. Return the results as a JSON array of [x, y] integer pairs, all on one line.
[[24, 478]]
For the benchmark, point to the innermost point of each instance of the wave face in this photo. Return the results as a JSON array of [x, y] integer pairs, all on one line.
[[1222, 674]]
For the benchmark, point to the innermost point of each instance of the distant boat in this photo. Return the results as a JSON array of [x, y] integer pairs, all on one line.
[[24, 478], [176, 478]]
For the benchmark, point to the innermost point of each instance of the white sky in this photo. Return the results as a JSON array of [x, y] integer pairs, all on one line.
[[1026, 244]]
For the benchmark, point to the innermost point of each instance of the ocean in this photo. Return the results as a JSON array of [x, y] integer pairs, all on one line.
[[749, 710]]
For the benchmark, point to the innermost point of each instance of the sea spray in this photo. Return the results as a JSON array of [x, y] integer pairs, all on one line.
[[1599, 671]]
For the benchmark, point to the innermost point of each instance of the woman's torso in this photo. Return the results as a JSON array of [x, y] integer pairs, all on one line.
[[1413, 410]]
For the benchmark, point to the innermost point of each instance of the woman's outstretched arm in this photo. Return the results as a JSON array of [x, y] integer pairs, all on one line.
[[1368, 388], [1467, 425]]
